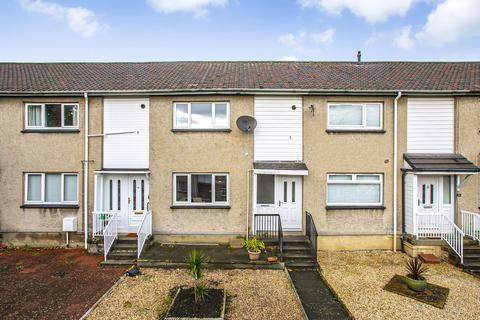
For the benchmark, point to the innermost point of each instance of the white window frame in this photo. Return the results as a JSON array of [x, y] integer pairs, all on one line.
[[42, 119], [355, 182], [42, 188], [363, 126], [189, 124], [189, 190]]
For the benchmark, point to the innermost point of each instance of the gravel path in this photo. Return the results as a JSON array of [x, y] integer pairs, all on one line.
[[359, 277], [252, 294]]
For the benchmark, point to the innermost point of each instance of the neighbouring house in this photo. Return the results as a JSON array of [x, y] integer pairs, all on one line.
[[380, 154]]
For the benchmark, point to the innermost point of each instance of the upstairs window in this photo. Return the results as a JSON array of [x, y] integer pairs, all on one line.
[[200, 189], [51, 115], [201, 115], [354, 190], [51, 188], [354, 116]]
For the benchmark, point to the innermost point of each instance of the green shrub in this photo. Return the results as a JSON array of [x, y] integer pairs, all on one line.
[[253, 244], [196, 262]]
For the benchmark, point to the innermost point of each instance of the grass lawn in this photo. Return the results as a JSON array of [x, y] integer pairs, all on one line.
[[252, 294], [51, 283], [359, 277]]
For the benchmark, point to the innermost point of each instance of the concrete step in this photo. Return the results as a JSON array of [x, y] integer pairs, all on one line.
[[471, 257], [125, 245], [296, 240], [118, 262], [297, 256], [472, 265], [471, 249], [122, 254], [301, 265], [297, 247]]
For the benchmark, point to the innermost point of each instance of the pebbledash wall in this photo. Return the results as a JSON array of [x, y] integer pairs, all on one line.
[[232, 152]]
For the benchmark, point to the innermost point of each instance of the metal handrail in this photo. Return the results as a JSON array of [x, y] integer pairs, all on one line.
[[100, 222], [312, 234], [110, 233], [471, 224], [269, 227], [143, 232]]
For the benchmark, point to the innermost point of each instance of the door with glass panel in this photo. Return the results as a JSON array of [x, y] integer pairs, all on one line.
[[137, 199], [428, 194], [288, 201]]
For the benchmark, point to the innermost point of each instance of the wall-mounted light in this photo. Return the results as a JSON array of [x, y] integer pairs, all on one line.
[[312, 109]]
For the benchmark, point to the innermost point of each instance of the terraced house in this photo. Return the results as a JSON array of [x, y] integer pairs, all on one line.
[[375, 155]]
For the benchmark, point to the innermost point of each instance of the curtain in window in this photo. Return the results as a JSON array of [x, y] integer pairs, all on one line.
[[34, 188], [35, 115], [345, 115], [201, 188], [70, 115], [70, 188], [354, 193], [53, 187]]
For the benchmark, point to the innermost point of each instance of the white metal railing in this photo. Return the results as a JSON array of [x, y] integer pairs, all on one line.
[[441, 226], [428, 225], [471, 224], [453, 236], [144, 231], [100, 222], [110, 233]]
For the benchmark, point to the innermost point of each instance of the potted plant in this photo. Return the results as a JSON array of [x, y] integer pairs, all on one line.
[[254, 247], [415, 277]]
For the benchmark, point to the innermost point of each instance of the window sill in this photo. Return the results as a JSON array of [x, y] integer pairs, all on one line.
[[50, 130], [202, 130], [354, 207], [198, 207], [380, 131], [51, 206]]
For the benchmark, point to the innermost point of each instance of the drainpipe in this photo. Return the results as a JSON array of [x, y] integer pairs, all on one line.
[[395, 167], [248, 202], [85, 173]]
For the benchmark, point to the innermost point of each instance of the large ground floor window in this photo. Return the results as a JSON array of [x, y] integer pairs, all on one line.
[[51, 188], [200, 189], [355, 190]]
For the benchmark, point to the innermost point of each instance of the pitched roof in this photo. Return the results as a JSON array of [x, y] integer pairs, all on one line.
[[440, 162], [240, 76]]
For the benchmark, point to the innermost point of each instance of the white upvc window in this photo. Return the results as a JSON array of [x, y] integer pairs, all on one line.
[[201, 189], [51, 188], [201, 115], [347, 189], [355, 116], [51, 115]]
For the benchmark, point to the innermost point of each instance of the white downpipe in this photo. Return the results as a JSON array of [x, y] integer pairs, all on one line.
[[85, 173], [248, 202], [395, 167]]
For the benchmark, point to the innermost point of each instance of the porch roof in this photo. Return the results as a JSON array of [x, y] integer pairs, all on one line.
[[281, 167], [440, 162]]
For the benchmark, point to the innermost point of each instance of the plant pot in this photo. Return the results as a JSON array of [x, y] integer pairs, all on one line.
[[253, 255], [416, 285]]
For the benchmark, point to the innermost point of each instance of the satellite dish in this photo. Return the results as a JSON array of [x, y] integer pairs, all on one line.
[[246, 123]]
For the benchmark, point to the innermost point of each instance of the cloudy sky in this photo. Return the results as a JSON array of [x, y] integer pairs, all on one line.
[[158, 30]]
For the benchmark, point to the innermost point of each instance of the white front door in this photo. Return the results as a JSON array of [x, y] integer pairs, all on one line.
[[128, 196], [428, 194], [280, 195], [289, 201]]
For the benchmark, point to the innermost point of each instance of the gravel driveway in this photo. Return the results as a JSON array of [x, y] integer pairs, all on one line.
[[359, 277], [252, 294]]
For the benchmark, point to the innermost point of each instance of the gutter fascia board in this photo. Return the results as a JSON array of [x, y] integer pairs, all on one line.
[[234, 91]]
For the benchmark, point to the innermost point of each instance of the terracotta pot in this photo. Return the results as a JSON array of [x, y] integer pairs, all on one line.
[[253, 255], [415, 285]]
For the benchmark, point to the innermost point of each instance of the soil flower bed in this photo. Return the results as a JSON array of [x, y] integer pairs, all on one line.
[[51, 283], [251, 294], [359, 278]]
